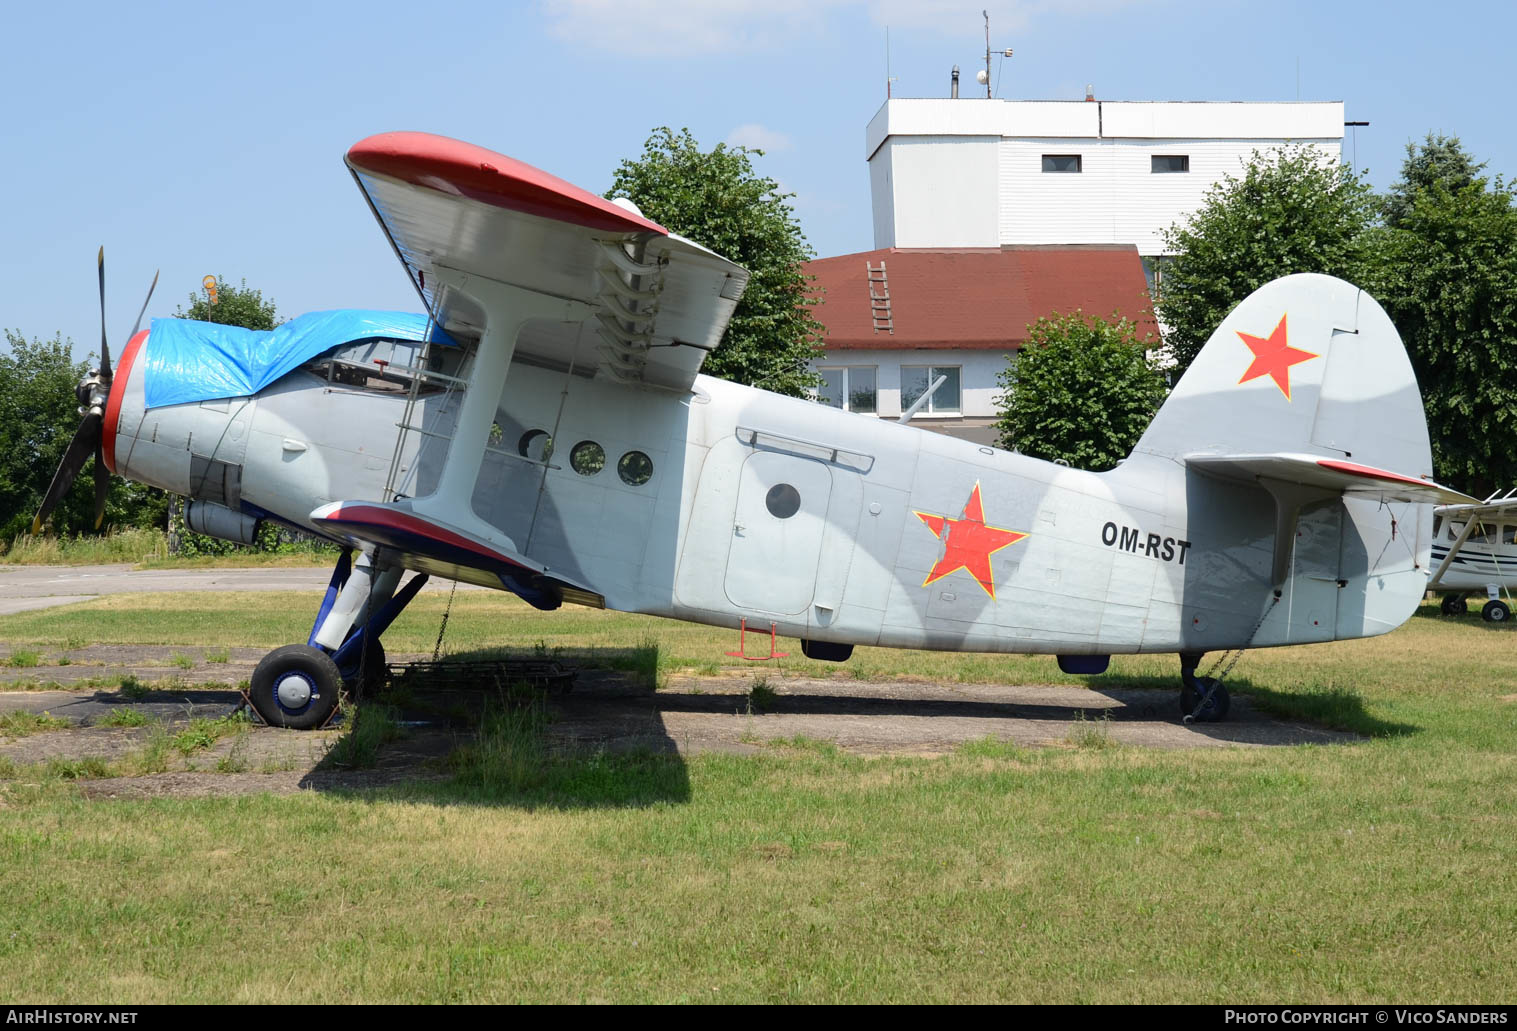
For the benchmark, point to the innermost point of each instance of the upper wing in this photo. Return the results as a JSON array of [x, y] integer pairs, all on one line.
[[1329, 474], [661, 301]]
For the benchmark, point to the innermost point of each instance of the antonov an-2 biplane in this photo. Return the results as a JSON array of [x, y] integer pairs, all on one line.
[[544, 429]]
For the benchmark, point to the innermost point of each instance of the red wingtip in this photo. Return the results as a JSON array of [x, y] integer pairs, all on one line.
[[452, 166]]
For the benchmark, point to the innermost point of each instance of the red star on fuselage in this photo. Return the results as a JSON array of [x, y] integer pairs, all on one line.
[[1273, 357], [970, 543]]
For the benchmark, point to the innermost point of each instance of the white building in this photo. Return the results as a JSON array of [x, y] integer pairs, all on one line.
[[988, 173], [989, 214]]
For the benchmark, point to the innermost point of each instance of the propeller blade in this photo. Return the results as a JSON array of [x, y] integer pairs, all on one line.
[[86, 439], [102, 480], [105, 351], [143, 312]]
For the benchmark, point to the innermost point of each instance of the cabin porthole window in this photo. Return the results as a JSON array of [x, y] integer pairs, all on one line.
[[635, 468], [536, 445], [587, 458], [783, 501]]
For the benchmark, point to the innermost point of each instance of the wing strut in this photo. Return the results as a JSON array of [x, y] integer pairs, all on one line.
[[507, 308]]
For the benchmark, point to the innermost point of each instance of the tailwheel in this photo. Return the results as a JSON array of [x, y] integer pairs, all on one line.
[[1193, 690], [1495, 611], [296, 686], [1453, 605]]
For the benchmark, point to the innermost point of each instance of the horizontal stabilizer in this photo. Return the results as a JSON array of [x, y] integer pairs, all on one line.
[[1328, 474], [427, 545]]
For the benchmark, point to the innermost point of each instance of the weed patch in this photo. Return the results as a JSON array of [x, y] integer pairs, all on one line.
[[24, 724]]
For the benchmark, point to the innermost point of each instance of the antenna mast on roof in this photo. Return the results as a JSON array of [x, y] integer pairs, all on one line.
[[986, 15], [984, 77]]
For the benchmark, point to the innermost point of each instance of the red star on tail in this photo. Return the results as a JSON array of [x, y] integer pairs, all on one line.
[[1273, 357], [970, 543]]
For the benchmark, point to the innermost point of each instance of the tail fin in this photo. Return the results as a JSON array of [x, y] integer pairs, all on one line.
[[1306, 364], [1303, 395]]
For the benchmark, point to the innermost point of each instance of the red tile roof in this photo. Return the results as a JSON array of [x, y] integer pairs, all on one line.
[[975, 298]]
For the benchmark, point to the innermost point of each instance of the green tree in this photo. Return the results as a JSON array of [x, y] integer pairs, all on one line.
[[1439, 159], [39, 414], [1081, 390], [717, 199], [1293, 211], [234, 306], [1451, 289]]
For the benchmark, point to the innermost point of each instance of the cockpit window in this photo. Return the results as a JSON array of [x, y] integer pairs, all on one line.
[[387, 366]]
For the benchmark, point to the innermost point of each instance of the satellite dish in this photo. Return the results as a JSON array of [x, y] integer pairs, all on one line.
[[981, 77]]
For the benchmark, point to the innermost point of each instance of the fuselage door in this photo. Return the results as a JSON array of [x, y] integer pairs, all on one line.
[[777, 532]]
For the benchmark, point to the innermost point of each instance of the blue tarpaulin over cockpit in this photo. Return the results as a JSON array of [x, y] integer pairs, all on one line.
[[202, 361]]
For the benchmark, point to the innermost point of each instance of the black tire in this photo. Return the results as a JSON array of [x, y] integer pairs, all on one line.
[[1495, 612], [1216, 708], [1454, 605], [315, 676]]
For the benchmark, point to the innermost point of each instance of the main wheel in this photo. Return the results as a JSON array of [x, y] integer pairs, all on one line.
[[1453, 605], [296, 686], [1216, 706], [1495, 612]]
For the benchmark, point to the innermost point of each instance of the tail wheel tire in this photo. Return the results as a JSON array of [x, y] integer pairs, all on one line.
[[296, 687], [1191, 694], [1495, 612]]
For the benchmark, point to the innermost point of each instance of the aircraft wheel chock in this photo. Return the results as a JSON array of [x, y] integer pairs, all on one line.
[[1193, 691], [1495, 612], [296, 686], [1454, 605]]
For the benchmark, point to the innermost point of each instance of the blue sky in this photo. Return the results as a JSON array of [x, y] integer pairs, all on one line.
[[208, 138]]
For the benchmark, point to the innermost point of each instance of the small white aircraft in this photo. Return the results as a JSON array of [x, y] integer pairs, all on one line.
[[1475, 549], [545, 430]]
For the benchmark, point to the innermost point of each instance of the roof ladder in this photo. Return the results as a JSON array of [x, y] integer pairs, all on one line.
[[879, 298]]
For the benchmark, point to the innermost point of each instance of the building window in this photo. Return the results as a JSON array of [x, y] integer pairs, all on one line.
[[1061, 162], [1171, 163], [850, 388], [915, 379], [1154, 268]]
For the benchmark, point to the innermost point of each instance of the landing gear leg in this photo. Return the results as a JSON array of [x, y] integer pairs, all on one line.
[[297, 686], [1202, 699]]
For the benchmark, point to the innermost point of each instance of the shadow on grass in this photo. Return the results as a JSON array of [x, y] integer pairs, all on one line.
[[1334, 708], [641, 660], [500, 751]]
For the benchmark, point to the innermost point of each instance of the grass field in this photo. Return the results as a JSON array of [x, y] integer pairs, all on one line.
[[1377, 871], [148, 549]]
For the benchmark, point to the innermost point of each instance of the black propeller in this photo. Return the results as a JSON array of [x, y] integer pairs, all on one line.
[[93, 393]]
